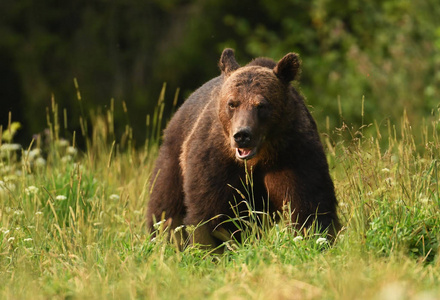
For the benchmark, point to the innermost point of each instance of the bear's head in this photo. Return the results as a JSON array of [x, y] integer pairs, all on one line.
[[252, 103]]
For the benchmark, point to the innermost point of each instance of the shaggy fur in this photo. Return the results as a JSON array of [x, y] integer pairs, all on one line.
[[248, 114]]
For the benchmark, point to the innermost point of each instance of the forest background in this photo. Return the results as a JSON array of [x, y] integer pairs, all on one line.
[[385, 52]]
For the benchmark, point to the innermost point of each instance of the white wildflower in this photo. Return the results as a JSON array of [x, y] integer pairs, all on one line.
[[298, 239], [321, 241], [178, 228], [38, 213], [66, 159], [72, 151], [32, 154], [18, 212], [61, 197], [10, 147], [28, 240], [114, 197], [40, 162], [79, 167], [425, 200], [31, 190], [385, 170], [63, 143], [342, 204], [5, 231], [11, 239], [157, 225]]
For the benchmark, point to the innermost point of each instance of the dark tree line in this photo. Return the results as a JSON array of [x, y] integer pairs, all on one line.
[[387, 51]]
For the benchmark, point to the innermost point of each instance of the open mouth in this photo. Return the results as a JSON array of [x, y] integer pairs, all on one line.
[[245, 153]]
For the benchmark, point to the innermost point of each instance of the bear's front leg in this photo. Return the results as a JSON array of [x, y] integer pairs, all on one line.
[[205, 213], [208, 200], [283, 194], [310, 196]]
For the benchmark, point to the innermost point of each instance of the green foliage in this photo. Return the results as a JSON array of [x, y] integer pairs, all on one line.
[[384, 51]]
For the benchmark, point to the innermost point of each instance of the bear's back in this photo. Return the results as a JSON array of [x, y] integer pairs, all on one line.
[[186, 116]]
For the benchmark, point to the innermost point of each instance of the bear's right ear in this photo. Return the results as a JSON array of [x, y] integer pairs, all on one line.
[[287, 68], [227, 62]]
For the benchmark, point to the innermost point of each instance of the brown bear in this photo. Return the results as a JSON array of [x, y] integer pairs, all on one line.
[[249, 122]]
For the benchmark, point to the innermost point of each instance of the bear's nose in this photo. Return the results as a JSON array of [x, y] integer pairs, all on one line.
[[243, 137]]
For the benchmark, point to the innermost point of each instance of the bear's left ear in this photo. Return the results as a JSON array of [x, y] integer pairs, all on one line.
[[287, 68], [227, 62]]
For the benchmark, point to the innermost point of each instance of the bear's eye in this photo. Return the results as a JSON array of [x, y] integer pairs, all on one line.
[[233, 104], [262, 105], [263, 108]]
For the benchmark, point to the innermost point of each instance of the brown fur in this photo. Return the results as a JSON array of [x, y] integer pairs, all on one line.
[[253, 108]]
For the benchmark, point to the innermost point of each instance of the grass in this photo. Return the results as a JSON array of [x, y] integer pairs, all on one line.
[[72, 224]]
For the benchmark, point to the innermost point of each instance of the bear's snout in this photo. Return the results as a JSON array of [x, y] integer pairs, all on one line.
[[243, 137], [245, 143]]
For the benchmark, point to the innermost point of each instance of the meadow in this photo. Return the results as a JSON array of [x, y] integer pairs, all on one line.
[[72, 223]]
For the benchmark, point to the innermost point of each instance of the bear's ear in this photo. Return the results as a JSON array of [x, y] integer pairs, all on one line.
[[227, 62], [287, 68]]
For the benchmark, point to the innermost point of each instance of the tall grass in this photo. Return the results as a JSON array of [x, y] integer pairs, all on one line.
[[72, 223]]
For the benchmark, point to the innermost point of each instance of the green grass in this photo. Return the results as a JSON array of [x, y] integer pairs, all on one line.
[[72, 225]]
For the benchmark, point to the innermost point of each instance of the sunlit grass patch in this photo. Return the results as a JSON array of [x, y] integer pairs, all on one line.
[[72, 224]]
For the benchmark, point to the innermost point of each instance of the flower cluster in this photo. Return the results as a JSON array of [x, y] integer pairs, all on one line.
[[31, 190], [8, 170], [7, 148], [33, 158], [67, 152], [6, 186]]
